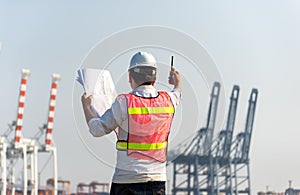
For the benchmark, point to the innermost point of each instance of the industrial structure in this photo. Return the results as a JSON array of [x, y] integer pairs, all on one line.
[[19, 155], [94, 188], [289, 191], [207, 165], [220, 165], [15, 148]]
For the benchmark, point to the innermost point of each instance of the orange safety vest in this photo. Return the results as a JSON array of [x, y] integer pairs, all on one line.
[[149, 124]]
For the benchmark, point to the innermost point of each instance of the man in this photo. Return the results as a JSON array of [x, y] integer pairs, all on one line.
[[143, 120]]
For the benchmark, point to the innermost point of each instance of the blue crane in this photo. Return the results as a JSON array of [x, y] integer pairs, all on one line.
[[221, 179], [220, 166], [191, 166], [240, 161]]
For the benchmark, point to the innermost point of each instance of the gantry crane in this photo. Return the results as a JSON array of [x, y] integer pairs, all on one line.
[[240, 161], [82, 189], [220, 166], [34, 146], [221, 161], [19, 149], [22, 148], [64, 187], [48, 146], [15, 148], [26, 148], [191, 168], [97, 188]]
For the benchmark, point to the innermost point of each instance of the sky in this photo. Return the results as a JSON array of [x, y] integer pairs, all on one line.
[[252, 44]]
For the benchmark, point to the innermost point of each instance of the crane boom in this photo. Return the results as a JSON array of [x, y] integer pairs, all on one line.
[[52, 101], [211, 119], [243, 139], [231, 121], [249, 123], [19, 121], [201, 142]]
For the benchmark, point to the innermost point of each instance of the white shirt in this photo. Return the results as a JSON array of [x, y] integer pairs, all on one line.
[[130, 170]]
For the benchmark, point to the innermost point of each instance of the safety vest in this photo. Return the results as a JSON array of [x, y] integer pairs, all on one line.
[[149, 124]]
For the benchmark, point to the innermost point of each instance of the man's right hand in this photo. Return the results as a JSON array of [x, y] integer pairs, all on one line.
[[86, 100], [86, 104], [174, 78]]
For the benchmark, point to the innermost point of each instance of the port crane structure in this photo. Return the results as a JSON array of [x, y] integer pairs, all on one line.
[[16, 148], [219, 165]]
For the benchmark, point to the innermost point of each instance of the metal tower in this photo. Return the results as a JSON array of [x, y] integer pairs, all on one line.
[[48, 146], [240, 161], [221, 160], [192, 167], [15, 148], [21, 148]]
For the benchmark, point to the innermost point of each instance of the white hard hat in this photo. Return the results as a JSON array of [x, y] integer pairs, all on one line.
[[142, 59]]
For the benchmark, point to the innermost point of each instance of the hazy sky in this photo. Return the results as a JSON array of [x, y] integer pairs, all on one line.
[[254, 44]]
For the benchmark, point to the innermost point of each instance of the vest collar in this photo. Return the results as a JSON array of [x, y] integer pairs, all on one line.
[[145, 91]]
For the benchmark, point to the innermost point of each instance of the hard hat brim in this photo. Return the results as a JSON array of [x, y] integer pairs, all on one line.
[[143, 65]]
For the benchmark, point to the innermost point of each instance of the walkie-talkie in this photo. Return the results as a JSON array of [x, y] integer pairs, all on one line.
[[170, 77], [172, 59]]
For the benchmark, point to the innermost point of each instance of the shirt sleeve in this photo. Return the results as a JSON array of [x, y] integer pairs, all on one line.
[[175, 96], [110, 120]]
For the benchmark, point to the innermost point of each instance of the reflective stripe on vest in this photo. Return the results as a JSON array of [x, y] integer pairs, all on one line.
[[123, 145], [151, 110]]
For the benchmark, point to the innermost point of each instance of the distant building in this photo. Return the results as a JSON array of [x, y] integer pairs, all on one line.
[[291, 191], [270, 193], [288, 191]]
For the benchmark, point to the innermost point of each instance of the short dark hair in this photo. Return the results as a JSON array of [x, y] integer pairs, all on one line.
[[143, 75]]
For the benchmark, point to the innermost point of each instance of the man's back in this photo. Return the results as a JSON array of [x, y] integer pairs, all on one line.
[[141, 160]]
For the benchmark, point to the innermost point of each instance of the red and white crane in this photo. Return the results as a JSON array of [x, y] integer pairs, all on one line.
[[52, 102], [34, 146], [15, 148], [27, 149], [48, 146], [19, 122]]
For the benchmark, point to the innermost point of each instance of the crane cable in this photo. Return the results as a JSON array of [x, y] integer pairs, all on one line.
[[46, 163]]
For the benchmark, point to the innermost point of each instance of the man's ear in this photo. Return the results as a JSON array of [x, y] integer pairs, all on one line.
[[129, 77]]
